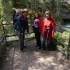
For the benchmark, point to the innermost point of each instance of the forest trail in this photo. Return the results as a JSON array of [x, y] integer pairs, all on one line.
[[33, 58]]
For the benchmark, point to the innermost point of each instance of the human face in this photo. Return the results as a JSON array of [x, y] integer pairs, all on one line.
[[36, 15], [47, 15], [26, 13]]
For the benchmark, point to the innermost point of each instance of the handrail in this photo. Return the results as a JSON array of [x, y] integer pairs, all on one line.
[[63, 44], [2, 39]]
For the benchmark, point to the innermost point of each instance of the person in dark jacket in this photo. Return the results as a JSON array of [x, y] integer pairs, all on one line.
[[22, 23], [37, 27], [15, 17]]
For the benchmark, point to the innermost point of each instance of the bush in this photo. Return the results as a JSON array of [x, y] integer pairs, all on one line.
[[63, 37]]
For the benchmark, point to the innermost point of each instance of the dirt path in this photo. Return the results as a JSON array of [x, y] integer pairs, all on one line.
[[34, 59]]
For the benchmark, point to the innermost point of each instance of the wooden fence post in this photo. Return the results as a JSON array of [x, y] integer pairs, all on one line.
[[4, 32], [67, 54]]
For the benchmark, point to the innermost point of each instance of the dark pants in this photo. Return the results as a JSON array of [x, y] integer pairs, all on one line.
[[21, 38], [37, 36]]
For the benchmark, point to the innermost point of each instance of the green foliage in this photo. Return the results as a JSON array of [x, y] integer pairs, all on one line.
[[1, 31], [30, 35], [1, 11], [63, 37], [8, 10]]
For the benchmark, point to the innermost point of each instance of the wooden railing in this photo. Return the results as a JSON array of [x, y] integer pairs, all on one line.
[[2, 37], [59, 28], [9, 32]]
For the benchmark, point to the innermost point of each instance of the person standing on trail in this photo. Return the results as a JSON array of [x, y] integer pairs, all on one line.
[[22, 24], [48, 30], [37, 27], [15, 17]]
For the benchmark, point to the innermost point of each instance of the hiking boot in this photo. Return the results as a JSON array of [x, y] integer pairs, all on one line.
[[21, 50], [39, 48]]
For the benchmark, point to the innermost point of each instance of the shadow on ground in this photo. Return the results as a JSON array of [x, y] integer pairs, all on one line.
[[33, 58]]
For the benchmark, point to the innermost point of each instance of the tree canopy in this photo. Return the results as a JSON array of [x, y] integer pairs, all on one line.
[[59, 9]]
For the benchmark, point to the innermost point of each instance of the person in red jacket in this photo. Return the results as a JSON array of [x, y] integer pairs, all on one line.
[[48, 30], [37, 27]]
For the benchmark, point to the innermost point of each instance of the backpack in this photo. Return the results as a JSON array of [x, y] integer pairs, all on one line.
[[15, 23]]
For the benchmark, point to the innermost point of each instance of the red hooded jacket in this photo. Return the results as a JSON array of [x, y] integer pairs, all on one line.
[[48, 25]]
